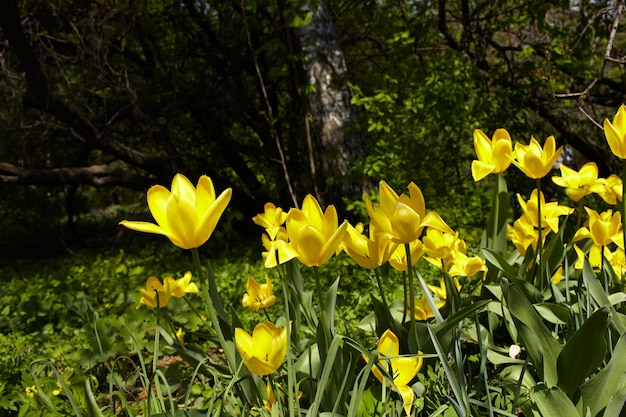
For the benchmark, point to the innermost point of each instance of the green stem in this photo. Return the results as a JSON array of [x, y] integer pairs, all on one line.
[[380, 286], [206, 298], [323, 318], [540, 237], [409, 270], [292, 395]]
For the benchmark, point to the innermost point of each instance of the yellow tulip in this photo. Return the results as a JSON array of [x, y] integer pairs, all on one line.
[[402, 369], [264, 351], [156, 295], [183, 286], [440, 291], [186, 215], [442, 246], [398, 258], [610, 189], [523, 234], [168, 289], [550, 212], [494, 156], [422, 308], [616, 133], [272, 219], [617, 259], [466, 266], [31, 391], [258, 295], [403, 217], [180, 336], [578, 184], [603, 229], [535, 161], [368, 253], [278, 250], [313, 235]]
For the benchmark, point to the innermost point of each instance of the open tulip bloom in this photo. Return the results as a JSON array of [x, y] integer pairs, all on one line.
[[314, 235], [403, 217], [494, 156], [263, 352], [186, 215], [258, 295], [402, 369], [535, 161]]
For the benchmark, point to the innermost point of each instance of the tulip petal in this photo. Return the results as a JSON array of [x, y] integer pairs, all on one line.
[[481, 169], [205, 195], [158, 196], [145, 227]]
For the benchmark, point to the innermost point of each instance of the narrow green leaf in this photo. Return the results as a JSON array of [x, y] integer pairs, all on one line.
[[584, 352], [455, 384], [599, 296], [542, 347]]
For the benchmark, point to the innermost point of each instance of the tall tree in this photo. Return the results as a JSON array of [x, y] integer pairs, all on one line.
[[331, 110]]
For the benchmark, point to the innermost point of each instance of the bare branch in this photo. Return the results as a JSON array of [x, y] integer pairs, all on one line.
[[96, 175]]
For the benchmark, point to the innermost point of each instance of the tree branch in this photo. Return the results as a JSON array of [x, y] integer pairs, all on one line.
[[96, 175]]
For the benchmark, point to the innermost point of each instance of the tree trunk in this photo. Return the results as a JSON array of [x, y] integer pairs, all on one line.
[[334, 150]]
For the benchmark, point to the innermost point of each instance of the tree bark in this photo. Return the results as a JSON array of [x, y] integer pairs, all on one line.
[[331, 111]]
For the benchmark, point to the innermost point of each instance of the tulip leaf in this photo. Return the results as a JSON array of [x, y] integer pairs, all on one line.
[[599, 296], [584, 352], [552, 402], [542, 347], [608, 386], [494, 236], [499, 262]]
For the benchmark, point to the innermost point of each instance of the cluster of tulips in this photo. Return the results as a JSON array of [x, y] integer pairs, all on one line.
[[400, 233]]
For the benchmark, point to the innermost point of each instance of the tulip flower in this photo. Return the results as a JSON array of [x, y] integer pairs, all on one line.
[[535, 161], [156, 295], [578, 183], [603, 229], [609, 189], [272, 219], [278, 250], [550, 212], [423, 311], [402, 369], [494, 156], [368, 253], [617, 259], [398, 258], [186, 215], [168, 289], [616, 133], [466, 266], [264, 351], [313, 235], [440, 291], [183, 286], [524, 235], [442, 246], [258, 295], [403, 217]]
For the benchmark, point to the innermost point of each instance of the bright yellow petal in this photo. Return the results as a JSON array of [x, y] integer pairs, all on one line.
[[388, 344], [481, 169]]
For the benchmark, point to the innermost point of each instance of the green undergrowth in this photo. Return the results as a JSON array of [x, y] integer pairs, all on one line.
[[77, 313]]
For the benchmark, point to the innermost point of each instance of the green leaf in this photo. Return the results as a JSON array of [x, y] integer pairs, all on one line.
[[584, 352], [607, 386], [552, 402], [599, 296], [542, 347]]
